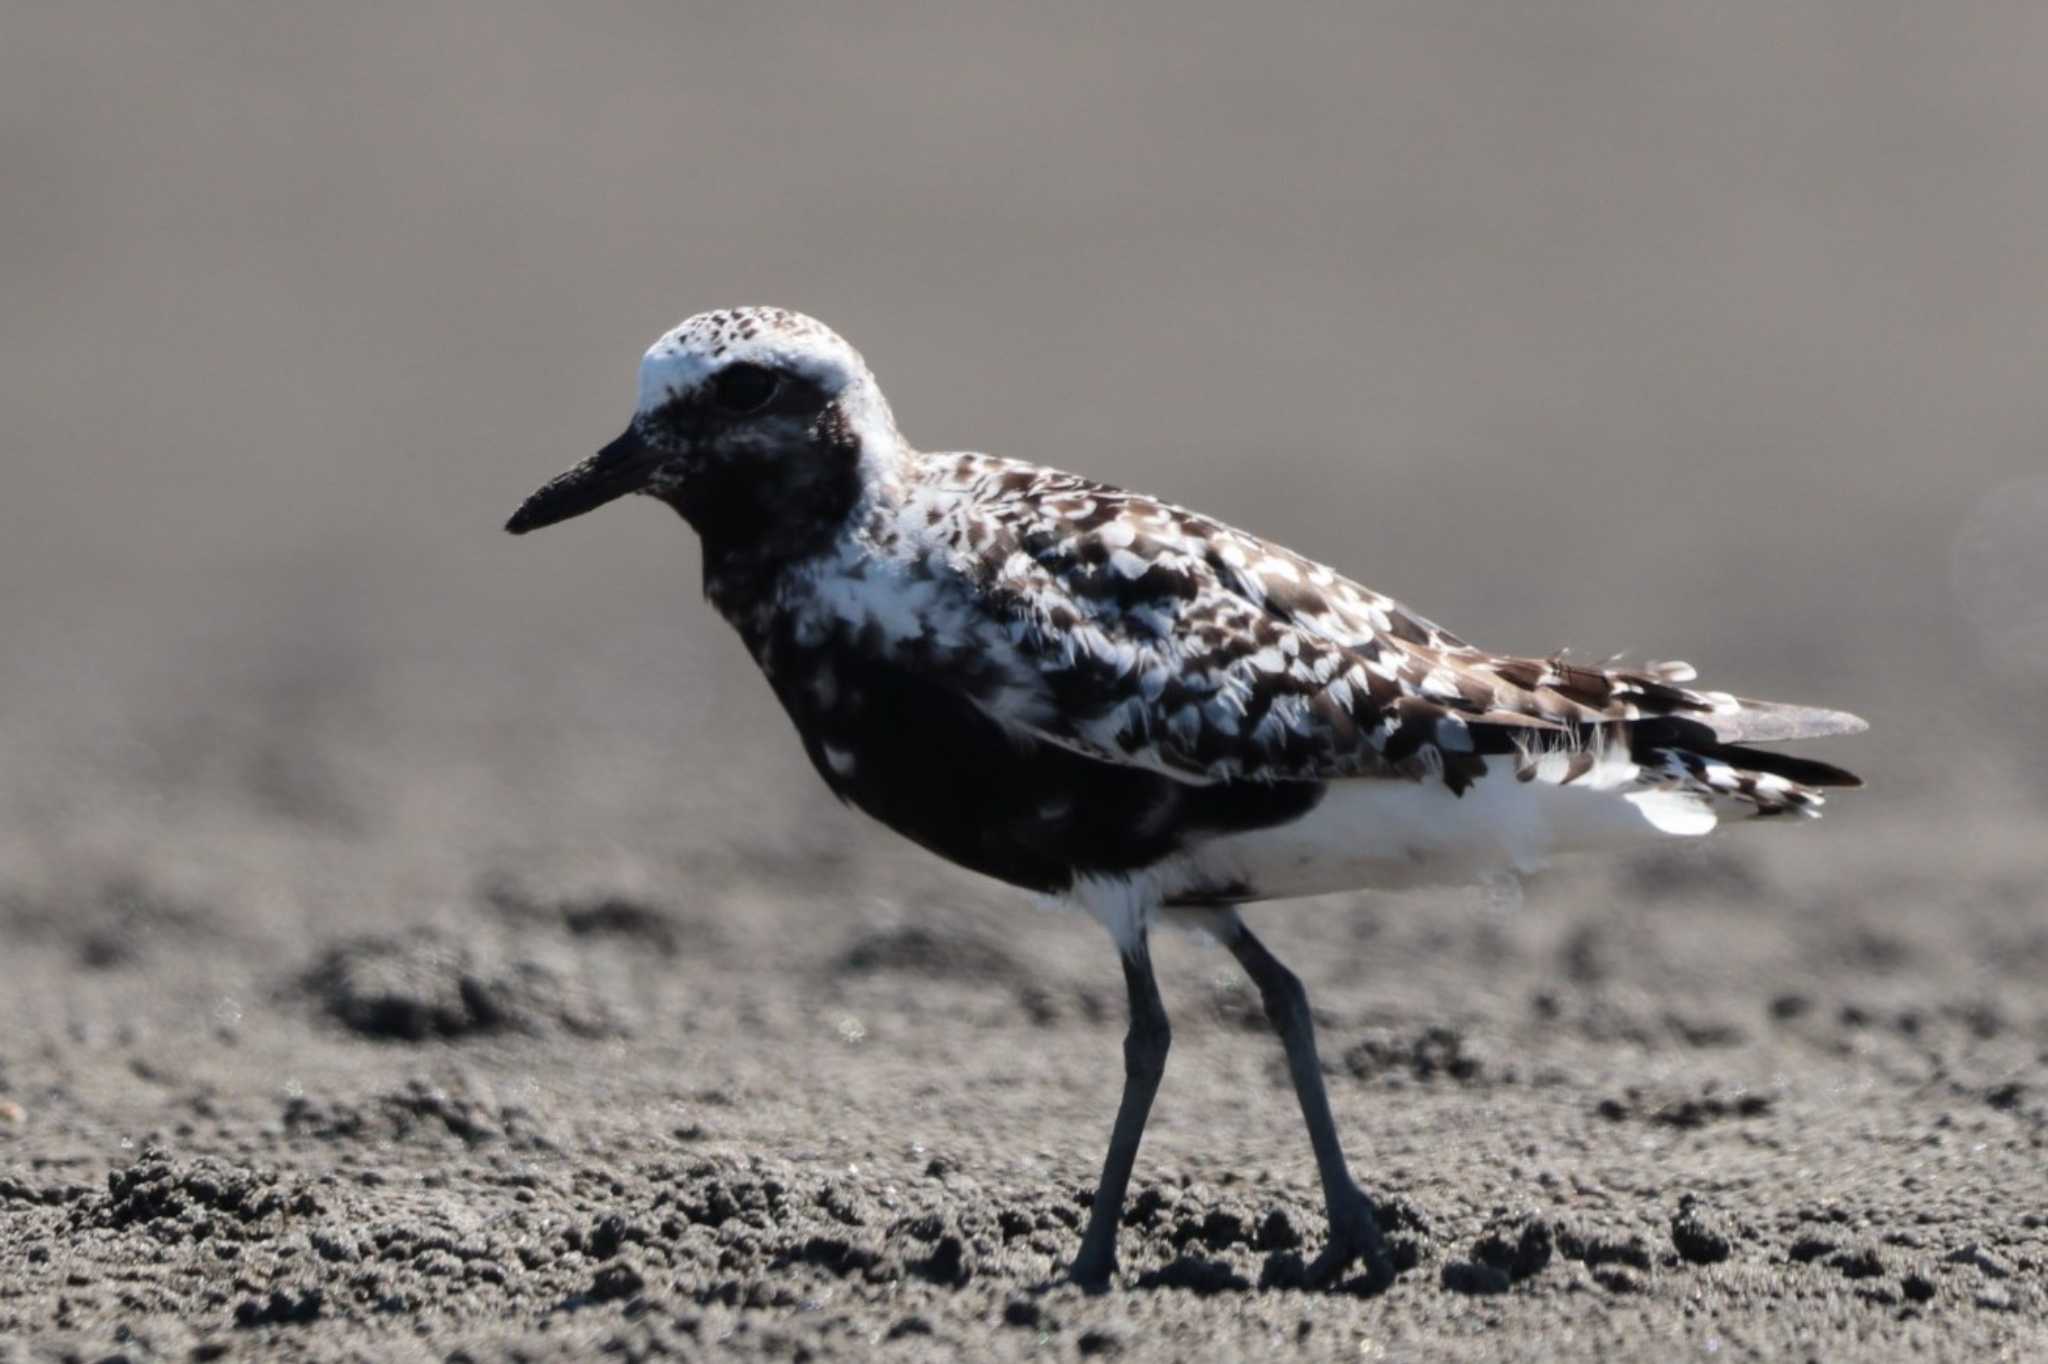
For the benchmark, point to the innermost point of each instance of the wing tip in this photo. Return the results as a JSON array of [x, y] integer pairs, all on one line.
[[1763, 722]]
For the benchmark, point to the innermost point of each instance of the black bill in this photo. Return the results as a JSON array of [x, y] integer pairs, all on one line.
[[620, 468]]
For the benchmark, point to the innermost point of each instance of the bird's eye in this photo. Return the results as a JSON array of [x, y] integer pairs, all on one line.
[[744, 388]]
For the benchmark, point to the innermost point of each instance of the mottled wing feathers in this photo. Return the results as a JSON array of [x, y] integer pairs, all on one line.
[[1164, 639]]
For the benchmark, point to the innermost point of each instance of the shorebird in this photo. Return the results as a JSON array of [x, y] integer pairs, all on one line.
[[1101, 697]]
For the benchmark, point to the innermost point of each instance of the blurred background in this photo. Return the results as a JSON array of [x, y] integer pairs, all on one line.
[[1715, 333]]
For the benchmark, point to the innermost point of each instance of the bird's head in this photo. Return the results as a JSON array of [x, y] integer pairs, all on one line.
[[749, 419]]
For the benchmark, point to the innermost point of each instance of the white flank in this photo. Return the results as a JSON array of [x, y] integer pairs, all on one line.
[[1390, 835]]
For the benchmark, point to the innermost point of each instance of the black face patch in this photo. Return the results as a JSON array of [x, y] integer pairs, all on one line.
[[762, 486]]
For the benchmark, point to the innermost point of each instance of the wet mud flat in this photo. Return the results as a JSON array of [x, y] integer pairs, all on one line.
[[1703, 1106]]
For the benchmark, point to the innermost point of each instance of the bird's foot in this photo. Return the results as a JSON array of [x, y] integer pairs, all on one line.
[[1093, 1268], [1354, 1239]]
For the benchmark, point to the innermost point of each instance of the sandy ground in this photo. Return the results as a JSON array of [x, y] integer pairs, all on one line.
[[1709, 1104], [421, 944]]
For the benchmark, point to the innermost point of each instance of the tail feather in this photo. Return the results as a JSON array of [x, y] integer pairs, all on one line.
[[1659, 689], [1678, 772], [1681, 755], [1805, 771], [1704, 741], [1690, 755]]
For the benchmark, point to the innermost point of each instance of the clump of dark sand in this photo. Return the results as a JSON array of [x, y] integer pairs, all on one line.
[[422, 985]]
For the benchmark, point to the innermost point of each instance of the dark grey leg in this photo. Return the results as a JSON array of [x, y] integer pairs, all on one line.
[[1354, 1231], [1145, 1048]]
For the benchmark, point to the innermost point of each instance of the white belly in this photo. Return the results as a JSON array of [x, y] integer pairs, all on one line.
[[1392, 834]]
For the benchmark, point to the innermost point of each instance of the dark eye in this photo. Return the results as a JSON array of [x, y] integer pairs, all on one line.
[[744, 388]]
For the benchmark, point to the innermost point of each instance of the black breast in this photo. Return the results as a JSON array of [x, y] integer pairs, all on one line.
[[912, 751]]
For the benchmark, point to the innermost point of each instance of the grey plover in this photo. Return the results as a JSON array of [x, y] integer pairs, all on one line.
[[1098, 696]]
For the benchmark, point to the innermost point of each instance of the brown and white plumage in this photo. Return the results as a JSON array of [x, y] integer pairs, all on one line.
[[1088, 693], [1164, 638]]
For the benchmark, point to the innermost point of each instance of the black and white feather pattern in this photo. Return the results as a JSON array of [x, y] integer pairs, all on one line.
[[1137, 632], [1071, 687]]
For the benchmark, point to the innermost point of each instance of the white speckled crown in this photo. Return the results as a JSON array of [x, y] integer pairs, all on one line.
[[775, 338]]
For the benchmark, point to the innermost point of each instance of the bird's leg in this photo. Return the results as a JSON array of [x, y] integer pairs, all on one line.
[[1354, 1230], [1145, 1047]]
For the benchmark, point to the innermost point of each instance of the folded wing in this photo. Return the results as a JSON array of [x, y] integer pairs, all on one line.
[[1161, 638]]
